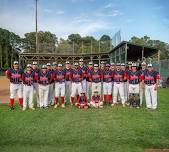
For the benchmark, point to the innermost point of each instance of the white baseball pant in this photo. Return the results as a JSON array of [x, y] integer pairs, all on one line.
[[43, 95], [16, 89], [27, 96], [134, 88], [89, 88], [51, 90], [151, 96], [68, 86], [76, 89], [84, 85], [118, 88], [36, 92], [95, 105], [107, 88], [126, 90], [141, 95], [96, 87], [59, 89]]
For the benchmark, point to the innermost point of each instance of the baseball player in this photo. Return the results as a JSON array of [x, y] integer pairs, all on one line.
[[96, 79], [82, 101], [76, 78], [54, 69], [112, 66], [96, 101], [60, 85], [151, 81], [15, 76], [143, 69], [129, 66], [28, 79], [51, 85], [134, 78], [102, 67], [84, 71], [36, 71], [89, 83], [107, 77], [68, 71], [123, 67], [45, 79], [119, 77]]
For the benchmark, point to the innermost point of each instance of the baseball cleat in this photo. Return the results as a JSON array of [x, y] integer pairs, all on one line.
[[32, 108], [56, 105], [124, 105], [12, 108], [63, 105], [112, 104], [24, 109]]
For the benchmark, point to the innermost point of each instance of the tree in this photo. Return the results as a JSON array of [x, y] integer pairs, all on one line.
[[10, 45], [146, 41], [47, 42], [105, 43]]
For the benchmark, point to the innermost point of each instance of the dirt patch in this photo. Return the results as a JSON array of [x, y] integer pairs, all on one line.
[[4, 89]]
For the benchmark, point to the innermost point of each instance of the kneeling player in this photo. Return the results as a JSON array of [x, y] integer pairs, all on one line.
[[82, 101], [96, 102], [134, 77]]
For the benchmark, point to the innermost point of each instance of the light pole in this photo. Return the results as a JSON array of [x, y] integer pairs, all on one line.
[[36, 20]]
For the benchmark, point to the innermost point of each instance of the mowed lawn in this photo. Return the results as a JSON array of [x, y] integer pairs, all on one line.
[[89, 130]]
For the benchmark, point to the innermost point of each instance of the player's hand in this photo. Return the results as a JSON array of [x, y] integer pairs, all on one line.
[[155, 88]]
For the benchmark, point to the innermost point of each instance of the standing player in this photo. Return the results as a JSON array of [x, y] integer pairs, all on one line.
[[36, 71], [107, 77], [84, 71], [59, 78], [28, 78], [102, 67], [134, 78], [126, 89], [151, 80], [143, 69], [76, 78], [54, 69], [96, 79], [89, 83], [51, 85], [15, 76], [68, 71], [129, 66], [45, 79], [119, 77], [112, 66]]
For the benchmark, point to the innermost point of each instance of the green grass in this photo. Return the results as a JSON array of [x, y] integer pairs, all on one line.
[[76, 130]]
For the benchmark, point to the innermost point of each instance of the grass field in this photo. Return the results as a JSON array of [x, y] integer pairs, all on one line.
[[90, 130]]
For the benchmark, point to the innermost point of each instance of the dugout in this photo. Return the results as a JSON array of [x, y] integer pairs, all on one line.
[[127, 51], [123, 52]]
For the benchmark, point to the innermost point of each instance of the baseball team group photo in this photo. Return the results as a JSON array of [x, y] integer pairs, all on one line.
[[84, 75]]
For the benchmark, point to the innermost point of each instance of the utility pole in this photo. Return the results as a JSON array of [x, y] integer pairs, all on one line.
[[36, 19]]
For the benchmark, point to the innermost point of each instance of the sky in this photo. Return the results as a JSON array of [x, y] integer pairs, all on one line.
[[88, 17]]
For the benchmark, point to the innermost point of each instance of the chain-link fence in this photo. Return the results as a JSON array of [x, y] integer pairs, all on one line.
[[67, 47], [163, 67]]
